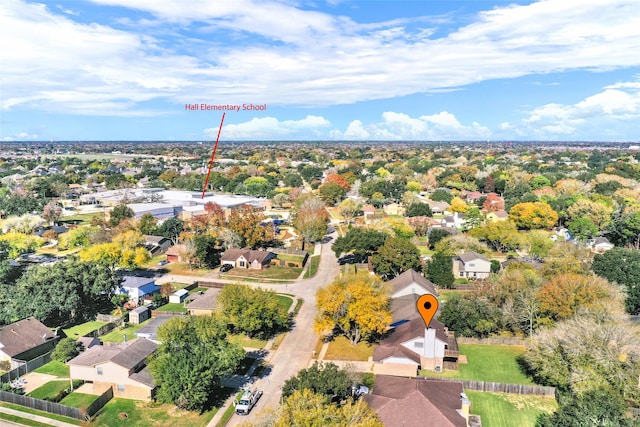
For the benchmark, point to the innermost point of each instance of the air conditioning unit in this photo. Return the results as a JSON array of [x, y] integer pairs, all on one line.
[[438, 369]]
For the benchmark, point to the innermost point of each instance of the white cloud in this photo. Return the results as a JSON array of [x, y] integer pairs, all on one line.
[[292, 56], [615, 109], [21, 136], [401, 126], [268, 128]]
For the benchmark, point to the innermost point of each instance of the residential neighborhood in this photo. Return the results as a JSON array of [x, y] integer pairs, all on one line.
[[124, 285]]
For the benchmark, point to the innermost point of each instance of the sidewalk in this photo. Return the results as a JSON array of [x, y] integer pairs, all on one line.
[[38, 418]]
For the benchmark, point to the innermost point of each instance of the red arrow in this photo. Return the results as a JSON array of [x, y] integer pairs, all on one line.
[[213, 156]]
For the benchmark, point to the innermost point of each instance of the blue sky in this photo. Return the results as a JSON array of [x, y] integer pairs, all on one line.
[[337, 70]]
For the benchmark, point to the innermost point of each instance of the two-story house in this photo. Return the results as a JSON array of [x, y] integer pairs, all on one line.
[[122, 368], [471, 265]]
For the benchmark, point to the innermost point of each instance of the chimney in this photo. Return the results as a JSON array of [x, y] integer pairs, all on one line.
[[466, 407]]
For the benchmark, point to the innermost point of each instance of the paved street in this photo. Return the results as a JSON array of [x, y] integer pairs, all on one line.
[[296, 350]]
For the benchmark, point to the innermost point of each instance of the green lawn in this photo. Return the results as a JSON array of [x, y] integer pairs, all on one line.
[[342, 349], [271, 273], [312, 267], [151, 414], [83, 329], [285, 301], [79, 400], [177, 307], [28, 422], [245, 341], [491, 363], [117, 334], [506, 410], [54, 368], [49, 390]]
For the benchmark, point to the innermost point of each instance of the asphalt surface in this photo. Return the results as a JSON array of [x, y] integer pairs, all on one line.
[[296, 350]]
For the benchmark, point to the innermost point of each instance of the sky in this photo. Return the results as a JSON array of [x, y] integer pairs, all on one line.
[[422, 70]]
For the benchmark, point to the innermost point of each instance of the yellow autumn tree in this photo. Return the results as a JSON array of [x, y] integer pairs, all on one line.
[[533, 216], [357, 305], [458, 205]]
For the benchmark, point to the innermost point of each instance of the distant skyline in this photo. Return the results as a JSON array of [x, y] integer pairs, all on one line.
[[551, 70]]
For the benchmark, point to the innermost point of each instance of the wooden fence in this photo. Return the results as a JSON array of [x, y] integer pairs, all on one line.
[[493, 340], [25, 367], [57, 408], [43, 405], [99, 402], [114, 322], [533, 390], [216, 285]]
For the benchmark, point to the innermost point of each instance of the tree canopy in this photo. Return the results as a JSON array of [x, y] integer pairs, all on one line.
[[394, 257], [192, 358], [356, 306], [70, 295], [360, 241], [252, 311], [326, 379], [622, 266]]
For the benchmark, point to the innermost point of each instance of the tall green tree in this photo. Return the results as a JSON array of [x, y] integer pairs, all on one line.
[[252, 311], [597, 408], [120, 213], [191, 360], [361, 241], [622, 266], [440, 269], [394, 257], [471, 316], [326, 379], [72, 293]]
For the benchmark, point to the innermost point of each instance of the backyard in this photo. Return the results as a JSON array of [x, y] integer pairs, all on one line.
[[117, 335], [83, 329], [151, 414], [505, 410], [492, 363]]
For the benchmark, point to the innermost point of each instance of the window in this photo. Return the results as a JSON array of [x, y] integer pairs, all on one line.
[[99, 371], [121, 388], [241, 263]]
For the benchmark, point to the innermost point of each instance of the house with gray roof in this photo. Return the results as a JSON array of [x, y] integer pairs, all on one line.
[[471, 265], [411, 283], [25, 340], [122, 368]]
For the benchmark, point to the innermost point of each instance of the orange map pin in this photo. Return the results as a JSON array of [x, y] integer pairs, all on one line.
[[427, 306]]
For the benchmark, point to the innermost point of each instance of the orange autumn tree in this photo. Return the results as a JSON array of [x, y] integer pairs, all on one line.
[[564, 295], [334, 178]]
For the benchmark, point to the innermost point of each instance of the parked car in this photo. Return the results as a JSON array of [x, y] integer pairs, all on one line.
[[247, 401], [225, 267], [359, 390], [163, 262]]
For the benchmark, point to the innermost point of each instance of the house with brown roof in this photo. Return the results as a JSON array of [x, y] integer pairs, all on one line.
[[410, 346], [247, 258], [176, 253], [411, 282], [25, 340], [412, 402], [471, 265], [122, 368]]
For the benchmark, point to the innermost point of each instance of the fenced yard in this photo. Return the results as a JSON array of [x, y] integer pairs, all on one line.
[[501, 409], [490, 363]]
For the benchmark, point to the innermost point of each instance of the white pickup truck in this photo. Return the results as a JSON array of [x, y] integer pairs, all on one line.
[[247, 401]]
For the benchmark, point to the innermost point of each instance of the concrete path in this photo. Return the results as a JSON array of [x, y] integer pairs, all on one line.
[[43, 420]]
